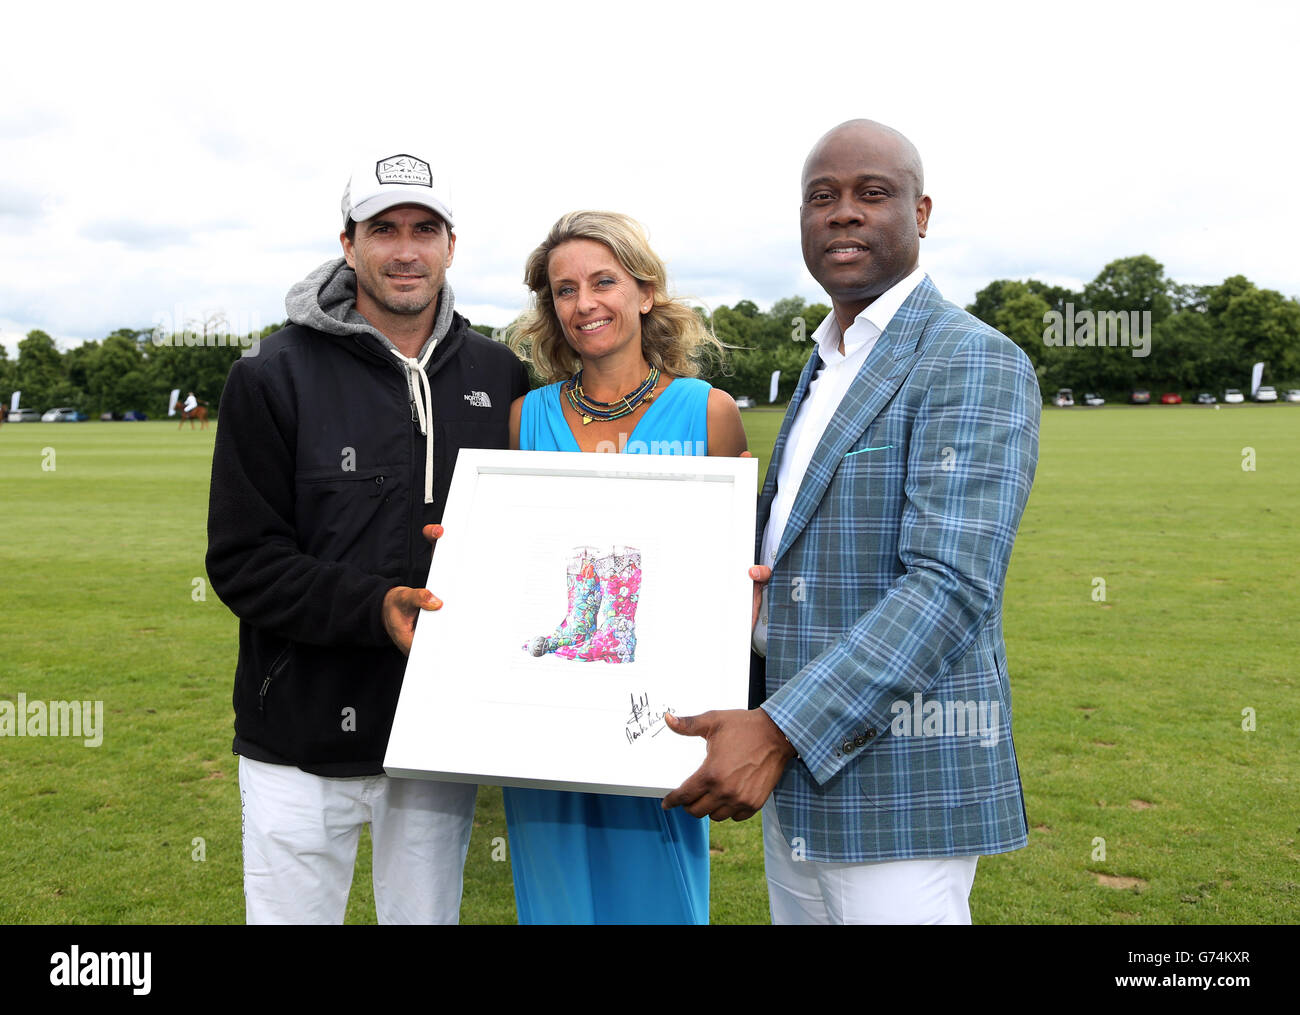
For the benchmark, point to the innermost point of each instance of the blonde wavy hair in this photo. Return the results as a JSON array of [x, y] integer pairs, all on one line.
[[673, 337]]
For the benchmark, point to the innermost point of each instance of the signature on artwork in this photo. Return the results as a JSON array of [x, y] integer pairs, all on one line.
[[643, 719]]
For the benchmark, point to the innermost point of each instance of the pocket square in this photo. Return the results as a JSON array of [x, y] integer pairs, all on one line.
[[883, 447]]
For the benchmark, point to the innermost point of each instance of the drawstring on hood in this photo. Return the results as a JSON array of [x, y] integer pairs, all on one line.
[[327, 301], [418, 380]]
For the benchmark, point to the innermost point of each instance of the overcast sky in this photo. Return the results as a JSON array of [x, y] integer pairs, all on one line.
[[158, 161]]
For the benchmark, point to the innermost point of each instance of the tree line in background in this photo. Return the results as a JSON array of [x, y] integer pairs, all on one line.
[[1202, 338], [130, 370]]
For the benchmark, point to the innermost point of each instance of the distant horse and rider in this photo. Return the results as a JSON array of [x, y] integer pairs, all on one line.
[[192, 409]]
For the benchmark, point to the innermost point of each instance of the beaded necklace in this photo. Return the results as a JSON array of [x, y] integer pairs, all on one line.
[[591, 410]]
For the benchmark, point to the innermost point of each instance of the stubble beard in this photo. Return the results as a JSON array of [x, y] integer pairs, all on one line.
[[410, 304]]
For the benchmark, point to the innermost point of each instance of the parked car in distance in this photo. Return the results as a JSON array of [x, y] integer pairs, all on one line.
[[1091, 399], [744, 402], [1171, 398], [24, 416], [1233, 396], [58, 415], [1064, 397], [1140, 397], [132, 416], [1205, 398], [1292, 396], [1266, 393]]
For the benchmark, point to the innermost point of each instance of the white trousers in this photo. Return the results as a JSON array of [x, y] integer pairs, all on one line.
[[300, 836], [889, 891]]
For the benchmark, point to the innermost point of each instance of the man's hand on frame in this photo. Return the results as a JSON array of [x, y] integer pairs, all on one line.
[[747, 752], [402, 605]]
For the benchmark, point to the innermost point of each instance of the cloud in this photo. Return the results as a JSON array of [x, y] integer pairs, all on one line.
[[18, 202], [26, 121], [140, 234]]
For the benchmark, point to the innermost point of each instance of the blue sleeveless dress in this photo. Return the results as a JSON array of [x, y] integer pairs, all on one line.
[[592, 858]]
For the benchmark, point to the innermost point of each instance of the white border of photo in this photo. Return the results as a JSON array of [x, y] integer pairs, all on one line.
[[477, 706]]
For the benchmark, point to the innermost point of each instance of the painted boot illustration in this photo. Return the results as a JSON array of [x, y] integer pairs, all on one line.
[[620, 585], [579, 621]]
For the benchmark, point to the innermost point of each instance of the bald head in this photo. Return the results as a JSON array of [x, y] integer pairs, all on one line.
[[878, 135], [863, 214]]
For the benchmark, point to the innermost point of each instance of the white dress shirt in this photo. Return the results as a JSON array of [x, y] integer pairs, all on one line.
[[826, 391]]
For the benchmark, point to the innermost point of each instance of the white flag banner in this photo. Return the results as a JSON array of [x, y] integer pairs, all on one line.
[[1256, 376], [13, 402], [776, 377], [172, 399]]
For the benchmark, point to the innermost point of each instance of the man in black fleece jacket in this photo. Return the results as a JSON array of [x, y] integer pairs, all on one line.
[[337, 442]]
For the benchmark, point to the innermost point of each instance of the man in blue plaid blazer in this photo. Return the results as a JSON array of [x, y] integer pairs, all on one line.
[[885, 525]]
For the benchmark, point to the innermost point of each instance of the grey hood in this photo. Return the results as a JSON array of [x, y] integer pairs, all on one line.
[[326, 300]]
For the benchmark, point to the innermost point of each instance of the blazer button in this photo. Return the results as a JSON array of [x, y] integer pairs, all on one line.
[[859, 740], [847, 746], [870, 734]]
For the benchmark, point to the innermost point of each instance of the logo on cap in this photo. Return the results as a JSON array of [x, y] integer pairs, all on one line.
[[405, 169]]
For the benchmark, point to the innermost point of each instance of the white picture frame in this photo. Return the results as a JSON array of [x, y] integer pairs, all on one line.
[[478, 706]]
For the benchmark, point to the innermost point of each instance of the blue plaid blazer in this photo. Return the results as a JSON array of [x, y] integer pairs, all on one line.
[[885, 664]]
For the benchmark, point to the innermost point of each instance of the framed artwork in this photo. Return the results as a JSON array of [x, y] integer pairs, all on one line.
[[585, 597]]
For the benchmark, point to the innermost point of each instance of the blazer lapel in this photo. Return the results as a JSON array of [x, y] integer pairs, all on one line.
[[879, 377]]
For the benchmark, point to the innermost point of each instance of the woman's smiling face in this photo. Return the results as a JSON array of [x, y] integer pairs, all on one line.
[[597, 301]]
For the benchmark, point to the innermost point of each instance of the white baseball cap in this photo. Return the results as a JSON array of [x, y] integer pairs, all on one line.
[[378, 184]]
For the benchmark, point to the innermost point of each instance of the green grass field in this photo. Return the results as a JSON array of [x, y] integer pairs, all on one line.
[[1128, 710]]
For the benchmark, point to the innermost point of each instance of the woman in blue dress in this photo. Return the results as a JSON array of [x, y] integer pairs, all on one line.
[[621, 359]]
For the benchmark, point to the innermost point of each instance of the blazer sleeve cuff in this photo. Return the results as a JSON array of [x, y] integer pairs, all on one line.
[[824, 736]]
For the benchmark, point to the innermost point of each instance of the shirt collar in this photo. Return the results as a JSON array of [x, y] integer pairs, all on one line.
[[868, 325]]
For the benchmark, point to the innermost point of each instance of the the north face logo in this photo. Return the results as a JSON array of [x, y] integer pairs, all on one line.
[[479, 399], [406, 169]]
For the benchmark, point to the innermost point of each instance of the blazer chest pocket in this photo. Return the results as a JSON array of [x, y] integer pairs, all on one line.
[[876, 449], [873, 468]]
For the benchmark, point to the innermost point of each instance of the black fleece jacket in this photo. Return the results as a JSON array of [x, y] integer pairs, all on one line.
[[316, 511]]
